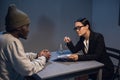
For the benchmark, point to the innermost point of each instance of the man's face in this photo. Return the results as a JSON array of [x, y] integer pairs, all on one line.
[[24, 31]]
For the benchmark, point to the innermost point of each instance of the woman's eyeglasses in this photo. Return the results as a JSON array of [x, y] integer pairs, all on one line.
[[77, 28]]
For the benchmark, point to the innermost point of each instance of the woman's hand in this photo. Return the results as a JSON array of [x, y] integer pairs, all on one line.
[[67, 39], [73, 57]]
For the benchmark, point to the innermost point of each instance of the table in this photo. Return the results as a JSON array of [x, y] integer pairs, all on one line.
[[62, 70]]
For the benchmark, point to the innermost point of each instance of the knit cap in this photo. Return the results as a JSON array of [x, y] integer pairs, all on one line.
[[15, 18]]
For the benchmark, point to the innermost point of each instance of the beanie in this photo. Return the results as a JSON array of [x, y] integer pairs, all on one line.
[[15, 18]]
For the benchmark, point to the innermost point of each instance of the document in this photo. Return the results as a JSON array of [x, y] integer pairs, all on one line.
[[64, 56]]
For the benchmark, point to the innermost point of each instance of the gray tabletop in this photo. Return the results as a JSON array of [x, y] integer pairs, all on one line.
[[58, 69]]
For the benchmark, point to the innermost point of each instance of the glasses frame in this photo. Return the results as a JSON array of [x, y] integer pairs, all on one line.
[[77, 28]]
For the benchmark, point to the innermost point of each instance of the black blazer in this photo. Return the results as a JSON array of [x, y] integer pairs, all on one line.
[[96, 51]]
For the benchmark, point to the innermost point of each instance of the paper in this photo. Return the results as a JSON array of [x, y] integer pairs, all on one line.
[[64, 56]]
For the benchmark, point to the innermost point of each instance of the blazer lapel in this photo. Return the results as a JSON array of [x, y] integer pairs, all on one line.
[[91, 42]]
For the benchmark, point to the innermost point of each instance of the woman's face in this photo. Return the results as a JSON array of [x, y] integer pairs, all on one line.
[[80, 28]]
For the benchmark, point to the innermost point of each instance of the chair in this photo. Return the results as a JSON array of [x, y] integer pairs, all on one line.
[[115, 57]]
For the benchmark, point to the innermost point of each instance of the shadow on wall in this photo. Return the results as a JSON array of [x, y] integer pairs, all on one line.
[[2, 28], [43, 37]]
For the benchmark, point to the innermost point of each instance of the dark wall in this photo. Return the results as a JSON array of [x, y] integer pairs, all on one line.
[[105, 18], [51, 20]]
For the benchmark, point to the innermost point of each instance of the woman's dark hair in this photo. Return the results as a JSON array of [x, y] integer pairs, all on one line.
[[85, 22]]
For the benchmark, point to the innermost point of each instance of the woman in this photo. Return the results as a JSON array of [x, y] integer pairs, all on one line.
[[93, 46]]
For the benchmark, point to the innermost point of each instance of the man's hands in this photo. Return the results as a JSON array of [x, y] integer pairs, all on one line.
[[45, 53]]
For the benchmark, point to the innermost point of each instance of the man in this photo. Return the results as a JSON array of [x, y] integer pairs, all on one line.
[[15, 64]]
